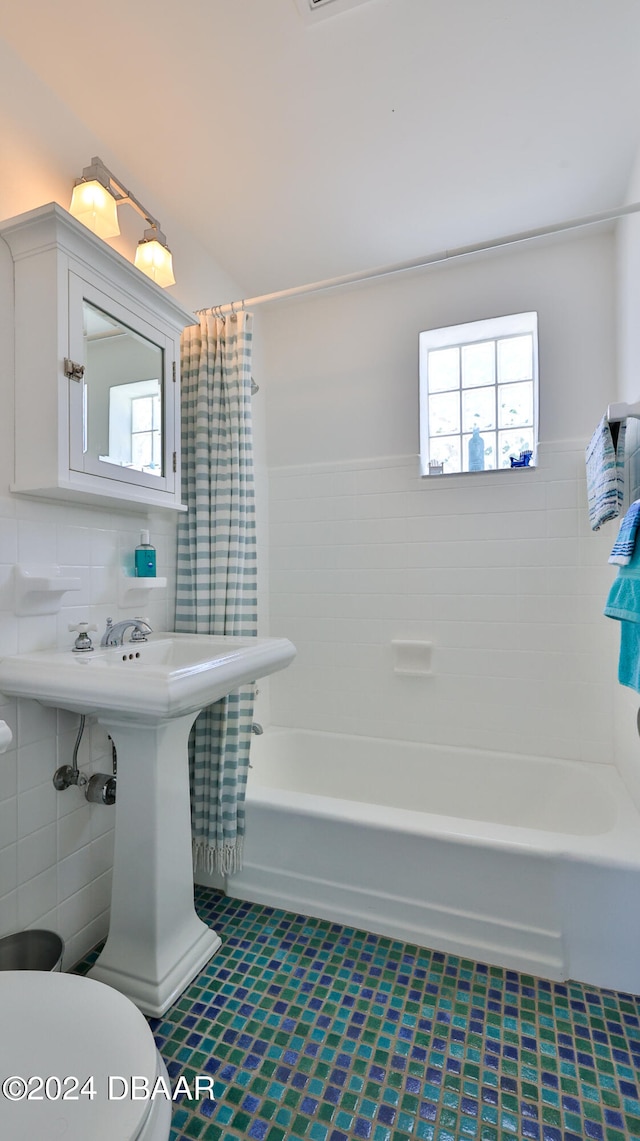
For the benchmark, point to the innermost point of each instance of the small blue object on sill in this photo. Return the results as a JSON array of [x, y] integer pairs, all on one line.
[[523, 461]]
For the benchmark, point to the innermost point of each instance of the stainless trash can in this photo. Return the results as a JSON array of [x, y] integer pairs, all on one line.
[[31, 951]]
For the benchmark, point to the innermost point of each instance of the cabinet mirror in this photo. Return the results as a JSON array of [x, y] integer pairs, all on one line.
[[122, 423], [123, 390]]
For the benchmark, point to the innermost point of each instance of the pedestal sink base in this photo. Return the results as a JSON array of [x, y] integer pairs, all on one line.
[[154, 997], [147, 695], [156, 943]]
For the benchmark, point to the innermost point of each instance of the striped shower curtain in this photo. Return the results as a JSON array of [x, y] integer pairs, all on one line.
[[216, 581]]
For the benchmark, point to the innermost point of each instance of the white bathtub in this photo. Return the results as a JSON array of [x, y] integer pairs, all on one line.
[[527, 863]]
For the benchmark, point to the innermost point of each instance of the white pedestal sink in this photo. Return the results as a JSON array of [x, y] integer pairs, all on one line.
[[148, 695]]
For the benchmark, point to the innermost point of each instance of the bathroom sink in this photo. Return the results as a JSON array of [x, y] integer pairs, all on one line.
[[147, 696], [168, 676]]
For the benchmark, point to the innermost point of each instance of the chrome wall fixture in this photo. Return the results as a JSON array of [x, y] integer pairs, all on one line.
[[94, 202], [99, 788]]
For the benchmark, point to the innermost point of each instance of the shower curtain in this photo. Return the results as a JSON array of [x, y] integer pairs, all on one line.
[[216, 577]]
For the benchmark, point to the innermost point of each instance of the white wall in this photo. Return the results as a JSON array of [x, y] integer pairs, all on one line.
[[343, 365], [55, 849], [500, 571], [626, 701], [45, 147]]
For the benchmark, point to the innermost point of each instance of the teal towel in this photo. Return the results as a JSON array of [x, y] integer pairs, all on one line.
[[623, 604], [629, 660]]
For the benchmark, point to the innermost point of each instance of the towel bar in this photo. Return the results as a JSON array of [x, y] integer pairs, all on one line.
[[616, 412]]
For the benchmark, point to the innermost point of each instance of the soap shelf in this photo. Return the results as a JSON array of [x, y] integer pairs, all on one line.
[[411, 658], [132, 590], [39, 590]]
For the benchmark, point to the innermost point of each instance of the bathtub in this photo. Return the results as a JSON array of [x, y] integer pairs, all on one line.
[[523, 862]]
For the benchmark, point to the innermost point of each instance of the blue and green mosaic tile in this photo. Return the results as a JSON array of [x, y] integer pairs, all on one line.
[[313, 1031]]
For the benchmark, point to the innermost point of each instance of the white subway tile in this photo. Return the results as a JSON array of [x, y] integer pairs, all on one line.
[[562, 494], [76, 912], [37, 543], [492, 576], [37, 764], [103, 548], [75, 872], [79, 945], [8, 870], [8, 540], [36, 853], [8, 775], [7, 588], [8, 634], [535, 580], [548, 552], [74, 830], [103, 586], [103, 818], [36, 808], [9, 913], [73, 546], [379, 531], [8, 821], [36, 723], [37, 633], [102, 853], [36, 897]]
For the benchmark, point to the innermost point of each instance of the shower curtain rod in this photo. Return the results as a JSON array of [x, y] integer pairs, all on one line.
[[428, 260]]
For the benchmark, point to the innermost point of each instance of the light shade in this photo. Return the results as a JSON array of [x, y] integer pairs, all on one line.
[[155, 260], [96, 208]]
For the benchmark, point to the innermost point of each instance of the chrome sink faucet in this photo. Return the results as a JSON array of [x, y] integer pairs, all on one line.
[[115, 631]]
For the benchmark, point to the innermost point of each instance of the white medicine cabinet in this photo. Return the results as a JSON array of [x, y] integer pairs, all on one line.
[[97, 385]]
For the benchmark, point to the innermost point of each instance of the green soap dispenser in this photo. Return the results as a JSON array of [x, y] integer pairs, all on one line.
[[145, 557]]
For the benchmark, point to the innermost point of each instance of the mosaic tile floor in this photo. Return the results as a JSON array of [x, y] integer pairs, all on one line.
[[318, 1032]]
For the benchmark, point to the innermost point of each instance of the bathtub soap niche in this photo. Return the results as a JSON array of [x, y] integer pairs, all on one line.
[[412, 658]]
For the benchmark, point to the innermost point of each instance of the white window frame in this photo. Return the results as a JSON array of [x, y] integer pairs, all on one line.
[[457, 336]]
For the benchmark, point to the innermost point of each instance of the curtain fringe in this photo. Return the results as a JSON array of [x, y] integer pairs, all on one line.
[[225, 859]]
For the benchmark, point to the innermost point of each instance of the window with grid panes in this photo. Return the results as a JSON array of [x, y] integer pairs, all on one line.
[[479, 395], [146, 436]]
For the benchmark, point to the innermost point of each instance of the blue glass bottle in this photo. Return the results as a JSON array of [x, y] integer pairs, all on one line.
[[145, 557], [476, 452]]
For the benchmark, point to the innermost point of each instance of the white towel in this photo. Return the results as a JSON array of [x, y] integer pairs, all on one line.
[[605, 472]]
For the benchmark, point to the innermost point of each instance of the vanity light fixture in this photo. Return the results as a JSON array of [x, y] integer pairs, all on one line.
[[94, 202], [153, 257]]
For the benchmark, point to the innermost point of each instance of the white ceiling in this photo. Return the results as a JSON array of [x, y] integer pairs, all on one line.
[[305, 148]]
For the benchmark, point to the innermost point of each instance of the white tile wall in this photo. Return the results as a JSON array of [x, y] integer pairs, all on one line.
[[56, 850], [500, 571]]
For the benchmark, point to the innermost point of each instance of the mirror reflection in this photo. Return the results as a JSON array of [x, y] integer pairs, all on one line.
[[122, 394]]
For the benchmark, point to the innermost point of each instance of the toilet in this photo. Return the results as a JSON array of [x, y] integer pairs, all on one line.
[[67, 1027]]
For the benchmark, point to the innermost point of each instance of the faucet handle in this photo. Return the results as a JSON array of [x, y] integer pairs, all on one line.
[[83, 641], [140, 631]]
